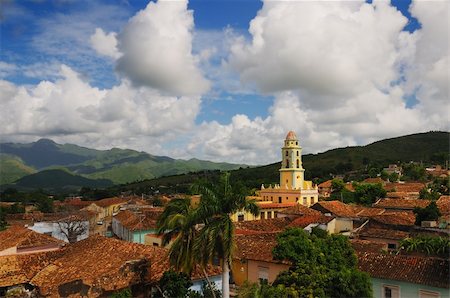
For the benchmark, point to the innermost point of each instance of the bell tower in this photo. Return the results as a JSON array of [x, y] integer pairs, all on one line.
[[291, 172]]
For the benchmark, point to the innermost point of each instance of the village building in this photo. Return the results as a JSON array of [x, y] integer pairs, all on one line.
[[134, 226]]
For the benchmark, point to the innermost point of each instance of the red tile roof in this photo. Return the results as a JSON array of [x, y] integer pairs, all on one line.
[[360, 245], [263, 225], [374, 180], [256, 247], [404, 187], [368, 212], [21, 237], [428, 271], [110, 201], [326, 184], [304, 221], [401, 204], [371, 232], [444, 205], [336, 208], [396, 218], [299, 209], [147, 219]]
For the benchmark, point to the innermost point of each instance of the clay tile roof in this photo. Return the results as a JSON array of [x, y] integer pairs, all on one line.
[[373, 180], [21, 237], [299, 209], [428, 271], [275, 205], [401, 204], [360, 245], [404, 187], [256, 247], [336, 208], [396, 218], [291, 136], [371, 232], [304, 221], [264, 225], [368, 212], [110, 201], [444, 205], [326, 184], [398, 195], [144, 220]]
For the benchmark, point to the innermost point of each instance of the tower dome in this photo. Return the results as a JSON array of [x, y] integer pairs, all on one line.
[[291, 136]]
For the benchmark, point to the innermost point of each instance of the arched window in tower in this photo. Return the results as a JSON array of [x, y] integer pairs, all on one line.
[[298, 164], [287, 163], [297, 153], [287, 153], [296, 143]]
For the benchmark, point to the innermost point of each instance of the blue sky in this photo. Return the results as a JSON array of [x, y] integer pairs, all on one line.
[[238, 86]]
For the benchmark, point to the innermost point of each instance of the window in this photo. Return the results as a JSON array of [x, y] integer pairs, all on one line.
[[298, 163], [389, 291], [428, 294], [275, 214], [287, 153], [392, 246], [296, 200], [262, 215], [287, 163], [279, 200], [305, 201], [297, 153], [241, 217], [269, 214], [155, 244], [263, 273]]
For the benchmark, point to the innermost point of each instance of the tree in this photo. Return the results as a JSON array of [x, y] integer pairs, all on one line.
[[216, 237], [204, 233], [369, 193], [45, 205], [173, 284], [2, 219], [71, 227], [431, 212], [322, 266]]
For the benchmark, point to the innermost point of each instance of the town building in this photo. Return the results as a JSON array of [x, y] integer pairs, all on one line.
[[293, 188]]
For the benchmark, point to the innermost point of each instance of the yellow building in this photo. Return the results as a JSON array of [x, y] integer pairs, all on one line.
[[293, 187]]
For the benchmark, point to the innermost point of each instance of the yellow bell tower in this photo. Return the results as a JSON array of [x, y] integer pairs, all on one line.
[[291, 173]]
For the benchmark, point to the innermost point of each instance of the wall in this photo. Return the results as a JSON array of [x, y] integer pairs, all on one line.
[[343, 224], [139, 236], [239, 269], [197, 284], [274, 270], [53, 229], [407, 290]]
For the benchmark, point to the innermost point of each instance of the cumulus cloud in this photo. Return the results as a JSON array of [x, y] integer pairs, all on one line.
[[70, 109], [157, 49], [105, 44]]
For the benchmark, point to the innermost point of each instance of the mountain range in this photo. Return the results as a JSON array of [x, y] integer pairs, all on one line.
[[115, 165]]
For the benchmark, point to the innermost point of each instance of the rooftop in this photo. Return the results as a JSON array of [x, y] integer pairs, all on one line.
[[360, 245], [326, 184], [444, 205], [263, 225], [336, 208], [402, 204], [256, 247], [371, 232], [404, 187], [110, 201], [396, 218], [304, 221], [22, 237], [428, 271], [291, 136], [263, 205], [299, 209], [147, 219]]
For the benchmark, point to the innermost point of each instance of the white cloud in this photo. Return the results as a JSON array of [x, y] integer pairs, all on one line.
[[70, 109], [157, 49], [105, 44], [7, 69]]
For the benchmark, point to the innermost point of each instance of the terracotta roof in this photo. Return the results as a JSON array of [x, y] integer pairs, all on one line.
[[304, 221], [371, 232], [401, 204], [264, 225], [336, 208], [299, 209], [444, 205], [367, 211], [291, 136], [147, 219], [256, 247], [404, 187], [275, 205], [21, 237], [374, 180], [400, 218], [326, 184], [398, 195], [110, 201], [428, 271], [360, 245]]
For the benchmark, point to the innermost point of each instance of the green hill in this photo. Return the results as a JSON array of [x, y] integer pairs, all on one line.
[[117, 165], [57, 180], [429, 148]]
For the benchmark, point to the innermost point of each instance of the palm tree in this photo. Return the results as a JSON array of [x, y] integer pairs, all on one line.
[[216, 237]]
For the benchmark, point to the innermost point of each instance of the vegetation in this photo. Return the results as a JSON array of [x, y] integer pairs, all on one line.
[[368, 193], [429, 245], [206, 232], [431, 212], [125, 293], [173, 284], [322, 266]]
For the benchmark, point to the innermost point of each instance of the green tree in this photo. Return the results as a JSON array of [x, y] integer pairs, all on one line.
[[2, 219], [321, 266], [431, 212], [368, 193], [204, 233], [45, 205], [173, 284], [393, 177], [125, 293]]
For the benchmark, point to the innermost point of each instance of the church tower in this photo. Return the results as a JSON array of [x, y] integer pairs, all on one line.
[[291, 172]]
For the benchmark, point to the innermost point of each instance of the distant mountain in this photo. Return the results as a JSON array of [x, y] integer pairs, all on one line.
[[429, 148], [58, 180], [117, 165]]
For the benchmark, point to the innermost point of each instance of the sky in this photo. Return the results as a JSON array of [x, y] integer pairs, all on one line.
[[222, 80]]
